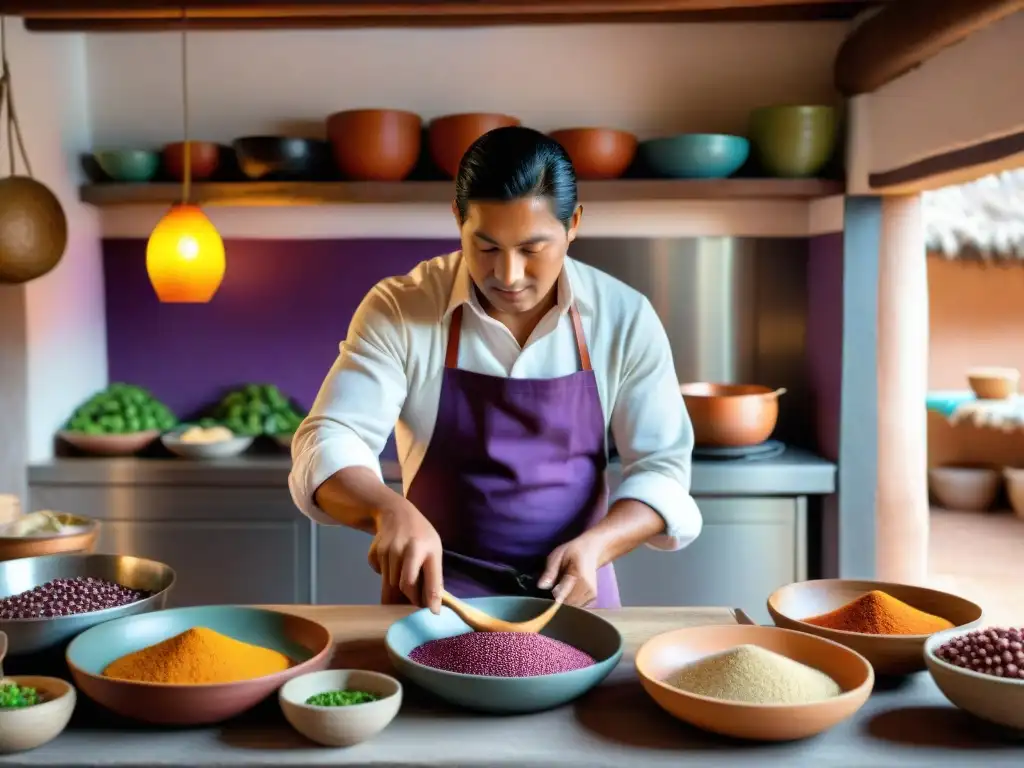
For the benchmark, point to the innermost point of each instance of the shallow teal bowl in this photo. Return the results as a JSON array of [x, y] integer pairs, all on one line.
[[307, 643], [507, 695], [696, 155], [131, 165]]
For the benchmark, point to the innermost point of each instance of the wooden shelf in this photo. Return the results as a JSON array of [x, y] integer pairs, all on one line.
[[383, 193]]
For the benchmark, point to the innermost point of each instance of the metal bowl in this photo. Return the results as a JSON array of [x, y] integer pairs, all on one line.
[[223, 449], [37, 635]]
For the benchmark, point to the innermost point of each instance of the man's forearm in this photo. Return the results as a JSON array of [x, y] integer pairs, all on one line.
[[354, 496], [628, 524]]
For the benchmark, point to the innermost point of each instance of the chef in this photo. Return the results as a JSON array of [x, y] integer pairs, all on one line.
[[502, 368]]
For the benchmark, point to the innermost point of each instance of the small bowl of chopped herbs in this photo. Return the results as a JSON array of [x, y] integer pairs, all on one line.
[[341, 707], [33, 711]]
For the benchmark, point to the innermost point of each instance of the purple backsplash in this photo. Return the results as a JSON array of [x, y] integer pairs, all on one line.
[[278, 317], [825, 336]]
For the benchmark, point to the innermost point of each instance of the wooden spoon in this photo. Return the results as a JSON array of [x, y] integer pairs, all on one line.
[[481, 622]]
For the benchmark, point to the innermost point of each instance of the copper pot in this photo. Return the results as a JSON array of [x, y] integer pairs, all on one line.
[[375, 144], [450, 136], [597, 153], [732, 415], [204, 159]]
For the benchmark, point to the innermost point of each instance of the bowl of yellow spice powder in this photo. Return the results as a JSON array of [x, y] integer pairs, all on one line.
[[195, 666], [886, 623], [340, 707]]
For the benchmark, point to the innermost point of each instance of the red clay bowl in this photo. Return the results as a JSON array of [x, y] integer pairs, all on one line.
[[205, 158], [597, 153], [375, 144], [450, 136], [306, 642]]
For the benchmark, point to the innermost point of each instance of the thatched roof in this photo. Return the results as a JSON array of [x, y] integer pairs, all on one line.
[[982, 219]]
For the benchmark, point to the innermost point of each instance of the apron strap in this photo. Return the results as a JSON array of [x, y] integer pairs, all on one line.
[[451, 355]]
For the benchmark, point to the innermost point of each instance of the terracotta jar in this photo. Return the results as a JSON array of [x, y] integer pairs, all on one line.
[[375, 144], [451, 135], [597, 153], [204, 157]]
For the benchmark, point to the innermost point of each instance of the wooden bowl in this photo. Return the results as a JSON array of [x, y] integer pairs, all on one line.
[[31, 727], [340, 726], [995, 699], [964, 488], [731, 415], [450, 136], [375, 144], [664, 655], [109, 445], [78, 540], [306, 642], [993, 383], [1014, 477], [204, 155], [888, 654], [597, 153]]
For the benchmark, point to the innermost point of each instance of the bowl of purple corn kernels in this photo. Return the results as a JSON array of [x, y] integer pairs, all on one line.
[[981, 671], [47, 601]]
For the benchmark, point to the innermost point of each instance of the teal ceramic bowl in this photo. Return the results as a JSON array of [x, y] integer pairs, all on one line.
[[794, 141], [696, 155], [507, 695], [131, 165], [307, 643]]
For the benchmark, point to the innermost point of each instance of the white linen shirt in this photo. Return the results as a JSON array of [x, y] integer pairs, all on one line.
[[389, 370]]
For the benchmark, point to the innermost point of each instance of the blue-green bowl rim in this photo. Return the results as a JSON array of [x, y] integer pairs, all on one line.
[[147, 152], [283, 675], [677, 136], [613, 658]]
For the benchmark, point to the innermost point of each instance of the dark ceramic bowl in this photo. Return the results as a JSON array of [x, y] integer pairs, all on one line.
[[280, 158], [204, 157], [696, 155], [130, 165], [375, 144], [307, 643]]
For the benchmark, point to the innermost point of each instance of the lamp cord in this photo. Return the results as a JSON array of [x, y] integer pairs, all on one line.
[[186, 183], [15, 140]]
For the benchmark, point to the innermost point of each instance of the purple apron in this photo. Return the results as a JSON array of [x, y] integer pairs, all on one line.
[[514, 469]]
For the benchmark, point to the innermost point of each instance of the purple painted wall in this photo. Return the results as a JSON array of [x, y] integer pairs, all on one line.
[[278, 317], [825, 336]]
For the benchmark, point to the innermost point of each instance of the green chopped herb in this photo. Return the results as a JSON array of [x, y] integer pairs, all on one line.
[[341, 698], [15, 696]]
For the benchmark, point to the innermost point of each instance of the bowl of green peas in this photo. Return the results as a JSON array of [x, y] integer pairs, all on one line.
[[340, 707], [33, 711]]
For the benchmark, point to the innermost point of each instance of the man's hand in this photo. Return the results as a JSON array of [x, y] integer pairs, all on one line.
[[406, 552], [572, 571]]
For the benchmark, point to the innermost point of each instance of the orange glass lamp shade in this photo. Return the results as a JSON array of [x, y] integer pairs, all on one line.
[[185, 257]]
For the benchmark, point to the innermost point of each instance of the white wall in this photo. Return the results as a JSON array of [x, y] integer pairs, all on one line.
[[67, 356]]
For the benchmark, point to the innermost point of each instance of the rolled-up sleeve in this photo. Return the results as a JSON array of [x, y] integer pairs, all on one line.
[[653, 433], [358, 403]]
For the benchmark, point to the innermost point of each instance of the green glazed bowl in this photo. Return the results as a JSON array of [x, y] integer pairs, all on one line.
[[794, 141], [507, 695], [131, 165]]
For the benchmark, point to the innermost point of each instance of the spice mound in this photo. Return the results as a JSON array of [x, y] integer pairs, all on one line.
[[755, 675], [998, 652], [68, 597], [501, 654], [878, 613], [198, 656], [14, 696], [345, 698]]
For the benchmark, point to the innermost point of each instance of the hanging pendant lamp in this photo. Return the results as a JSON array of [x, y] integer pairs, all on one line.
[[185, 253]]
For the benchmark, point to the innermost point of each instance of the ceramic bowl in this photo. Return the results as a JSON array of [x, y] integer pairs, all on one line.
[[995, 699], [204, 157], [30, 636], [597, 153], [794, 141], [80, 538], [964, 488], [109, 445], [282, 158], [696, 155], [993, 383], [31, 727], [507, 695], [128, 165], [731, 415], [223, 449], [888, 654], [340, 726], [664, 655], [375, 144], [450, 136], [304, 641], [1014, 477]]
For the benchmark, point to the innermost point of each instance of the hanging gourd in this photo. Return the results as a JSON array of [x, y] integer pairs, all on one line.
[[33, 227]]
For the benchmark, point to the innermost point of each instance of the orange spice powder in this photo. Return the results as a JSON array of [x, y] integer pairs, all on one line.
[[877, 613]]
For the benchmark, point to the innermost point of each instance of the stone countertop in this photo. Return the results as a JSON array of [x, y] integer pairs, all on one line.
[[794, 473], [905, 725]]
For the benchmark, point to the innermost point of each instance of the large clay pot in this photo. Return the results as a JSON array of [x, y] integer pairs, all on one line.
[[33, 230], [597, 153], [204, 157], [375, 144], [731, 415], [451, 135]]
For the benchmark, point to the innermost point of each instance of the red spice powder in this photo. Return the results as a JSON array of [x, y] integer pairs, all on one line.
[[877, 613]]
